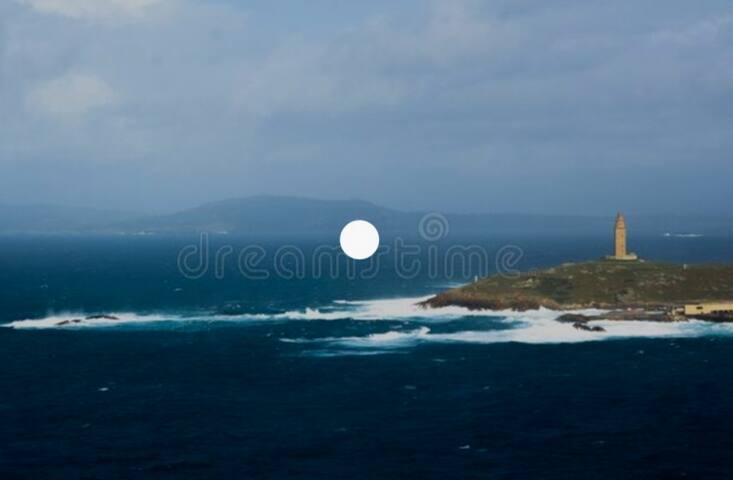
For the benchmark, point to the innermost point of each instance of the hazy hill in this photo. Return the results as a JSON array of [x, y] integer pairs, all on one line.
[[271, 215], [56, 219], [292, 215], [268, 215]]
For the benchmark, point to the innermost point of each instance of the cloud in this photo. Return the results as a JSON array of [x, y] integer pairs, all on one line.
[[93, 9], [371, 66], [451, 33], [496, 97], [298, 78], [71, 96]]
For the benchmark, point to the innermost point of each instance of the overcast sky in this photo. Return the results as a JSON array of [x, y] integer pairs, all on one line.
[[565, 106]]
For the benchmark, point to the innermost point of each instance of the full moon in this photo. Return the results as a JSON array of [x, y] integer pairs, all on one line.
[[359, 239]]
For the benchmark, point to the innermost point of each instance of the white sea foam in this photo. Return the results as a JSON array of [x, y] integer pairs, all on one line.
[[391, 338], [400, 309], [80, 320], [382, 309], [535, 327], [537, 331], [550, 331], [409, 309]]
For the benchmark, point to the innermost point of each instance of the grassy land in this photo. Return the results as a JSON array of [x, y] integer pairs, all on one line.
[[600, 284]]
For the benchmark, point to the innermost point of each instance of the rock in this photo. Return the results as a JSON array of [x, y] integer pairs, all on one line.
[[447, 299], [101, 317], [723, 317], [588, 328], [68, 322], [572, 318], [90, 317]]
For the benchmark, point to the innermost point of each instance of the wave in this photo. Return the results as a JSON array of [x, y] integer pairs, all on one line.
[[410, 309], [537, 331], [415, 325], [683, 235], [390, 338], [365, 310], [82, 320], [530, 327]]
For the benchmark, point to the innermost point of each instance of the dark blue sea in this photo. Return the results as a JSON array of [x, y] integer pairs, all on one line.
[[257, 358]]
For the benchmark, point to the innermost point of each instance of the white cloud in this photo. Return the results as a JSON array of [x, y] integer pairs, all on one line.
[[71, 96], [93, 9]]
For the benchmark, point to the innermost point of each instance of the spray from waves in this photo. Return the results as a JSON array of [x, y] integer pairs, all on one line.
[[342, 309], [75, 320], [532, 327], [549, 331], [386, 339], [538, 330], [410, 309], [400, 309]]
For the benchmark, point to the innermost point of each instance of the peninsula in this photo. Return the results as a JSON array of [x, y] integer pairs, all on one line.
[[624, 285]]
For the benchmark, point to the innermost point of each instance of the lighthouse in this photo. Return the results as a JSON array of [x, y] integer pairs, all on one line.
[[619, 237]]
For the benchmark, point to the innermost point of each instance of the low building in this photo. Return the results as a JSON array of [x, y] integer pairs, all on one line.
[[708, 309]]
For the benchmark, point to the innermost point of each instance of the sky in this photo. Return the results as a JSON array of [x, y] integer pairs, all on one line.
[[564, 106]]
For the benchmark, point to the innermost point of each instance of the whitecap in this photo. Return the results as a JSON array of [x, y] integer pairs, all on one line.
[[82, 320], [531, 327], [535, 330]]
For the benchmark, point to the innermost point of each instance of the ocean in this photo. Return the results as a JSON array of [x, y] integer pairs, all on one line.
[[223, 357]]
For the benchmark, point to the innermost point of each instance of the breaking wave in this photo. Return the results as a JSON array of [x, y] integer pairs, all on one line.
[[537, 331], [367, 310], [407, 325], [82, 320]]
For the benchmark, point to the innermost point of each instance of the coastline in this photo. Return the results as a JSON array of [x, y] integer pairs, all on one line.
[[641, 291]]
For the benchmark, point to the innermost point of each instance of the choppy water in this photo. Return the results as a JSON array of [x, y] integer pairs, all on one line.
[[223, 376]]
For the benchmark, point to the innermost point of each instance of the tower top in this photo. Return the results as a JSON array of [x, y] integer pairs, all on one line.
[[620, 221]]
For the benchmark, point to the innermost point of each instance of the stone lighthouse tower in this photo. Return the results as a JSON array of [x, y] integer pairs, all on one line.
[[619, 236]]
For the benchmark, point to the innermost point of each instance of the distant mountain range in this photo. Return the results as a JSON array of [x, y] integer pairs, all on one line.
[[271, 215]]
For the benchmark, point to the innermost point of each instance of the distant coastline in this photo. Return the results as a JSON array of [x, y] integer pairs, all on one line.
[[288, 216]]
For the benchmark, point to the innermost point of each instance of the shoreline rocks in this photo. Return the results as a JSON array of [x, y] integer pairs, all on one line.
[[588, 328], [81, 320]]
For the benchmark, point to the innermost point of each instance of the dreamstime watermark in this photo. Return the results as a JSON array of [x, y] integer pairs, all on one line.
[[432, 257], [433, 227]]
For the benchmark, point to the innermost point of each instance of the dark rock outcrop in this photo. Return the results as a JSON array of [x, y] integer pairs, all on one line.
[[90, 317], [101, 317], [572, 318], [588, 328], [68, 322]]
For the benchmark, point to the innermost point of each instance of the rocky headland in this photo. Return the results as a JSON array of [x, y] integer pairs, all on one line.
[[637, 290]]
